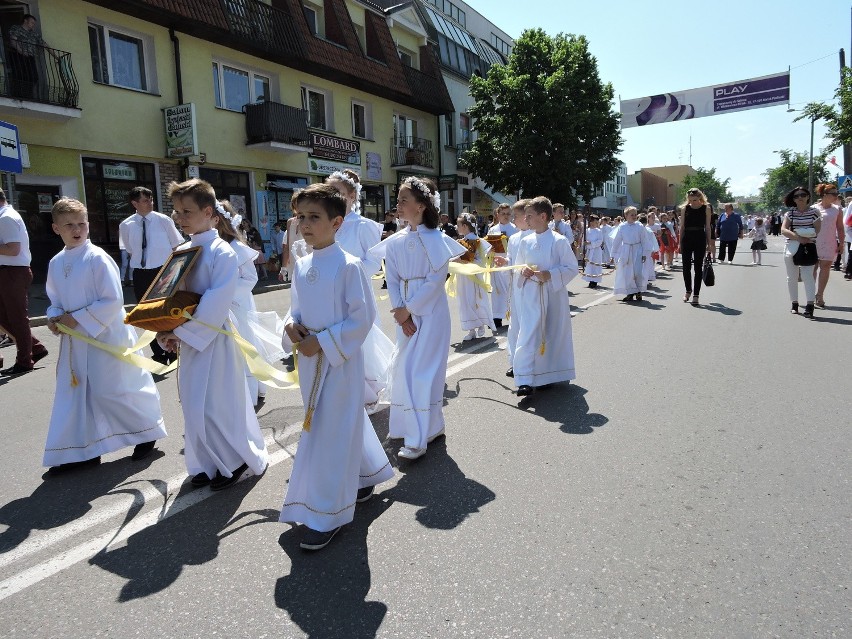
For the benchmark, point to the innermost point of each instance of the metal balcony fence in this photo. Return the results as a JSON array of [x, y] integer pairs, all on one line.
[[274, 122], [47, 77], [407, 150]]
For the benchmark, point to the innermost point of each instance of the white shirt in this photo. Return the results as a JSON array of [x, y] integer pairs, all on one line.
[[13, 229], [278, 240], [162, 236]]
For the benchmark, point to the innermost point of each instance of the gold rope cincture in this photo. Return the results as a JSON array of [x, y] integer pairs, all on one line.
[[258, 367], [543, 316], [126, 354]]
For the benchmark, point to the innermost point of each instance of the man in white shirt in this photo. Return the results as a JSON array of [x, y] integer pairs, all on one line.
[[149, 238], [15, 280]]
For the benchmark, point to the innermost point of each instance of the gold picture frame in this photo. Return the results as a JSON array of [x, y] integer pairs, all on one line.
[[172, 274]]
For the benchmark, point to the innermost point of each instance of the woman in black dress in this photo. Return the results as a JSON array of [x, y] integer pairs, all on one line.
[[695, 240]]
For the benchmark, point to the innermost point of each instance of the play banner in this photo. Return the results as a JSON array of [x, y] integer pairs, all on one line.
[[699, 103]]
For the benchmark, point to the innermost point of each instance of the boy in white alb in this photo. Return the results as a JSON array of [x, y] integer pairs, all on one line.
[[593, 271], [630, 245], [511, 259], [500, 279], [101, 404], [545, 350], [340, 459]]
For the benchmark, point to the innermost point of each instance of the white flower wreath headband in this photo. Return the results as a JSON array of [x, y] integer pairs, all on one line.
[[340, 175], [234, 220], [421, 186]]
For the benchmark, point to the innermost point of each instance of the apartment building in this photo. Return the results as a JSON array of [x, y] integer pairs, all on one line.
[[259, 97]]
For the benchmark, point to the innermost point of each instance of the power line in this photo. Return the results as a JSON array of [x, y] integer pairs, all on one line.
[[812, 61]]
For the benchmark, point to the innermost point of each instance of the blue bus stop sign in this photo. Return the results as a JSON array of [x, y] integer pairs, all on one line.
[[10, 149]]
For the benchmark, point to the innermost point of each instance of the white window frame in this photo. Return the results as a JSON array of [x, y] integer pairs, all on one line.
[[252, 74], [149, 60], [368, 119], [318, 11], [305, 89], [361, 32], [413, 56], [410, 124]]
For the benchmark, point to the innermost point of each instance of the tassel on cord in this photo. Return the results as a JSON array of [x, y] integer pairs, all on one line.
[[541, 349], [306, 425], [74, 381], [312, 397]]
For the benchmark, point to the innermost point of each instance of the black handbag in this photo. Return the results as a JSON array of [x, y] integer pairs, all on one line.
[[707, 274], [806, 255]]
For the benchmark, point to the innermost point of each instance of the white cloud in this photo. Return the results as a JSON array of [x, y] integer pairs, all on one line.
[[748, 185]]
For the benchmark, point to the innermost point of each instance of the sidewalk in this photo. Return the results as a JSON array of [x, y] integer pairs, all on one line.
[[38, 298]]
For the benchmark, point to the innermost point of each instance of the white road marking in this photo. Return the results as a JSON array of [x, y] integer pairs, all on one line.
[[173, 505]]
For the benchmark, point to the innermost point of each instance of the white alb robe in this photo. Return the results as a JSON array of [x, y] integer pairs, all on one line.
[[242, 303], [221, 429], [514, 320], [331, 297], [500, 280], [545, 349], [474, 299], [629, 244], [416, 265], [114, 404], [356, 236], [593, 271], [650, 263]]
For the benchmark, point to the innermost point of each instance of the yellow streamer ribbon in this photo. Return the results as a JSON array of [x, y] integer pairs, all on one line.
[[258, 367], [126, 354]]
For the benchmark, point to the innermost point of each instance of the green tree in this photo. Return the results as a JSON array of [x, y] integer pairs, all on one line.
[[544, 121], [792, 172], [706, 180], [838, 119]]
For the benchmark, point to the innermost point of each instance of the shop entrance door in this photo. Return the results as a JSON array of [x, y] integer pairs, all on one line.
[[34, 202]]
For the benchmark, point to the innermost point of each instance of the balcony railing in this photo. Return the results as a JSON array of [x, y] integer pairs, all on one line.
[[47, 77], [275, 122], [411, 151], [461, 149]]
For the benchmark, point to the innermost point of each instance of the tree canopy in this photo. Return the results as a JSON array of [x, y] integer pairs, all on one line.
[[837, 118], [705, 179], [792, 172], [545, 122]]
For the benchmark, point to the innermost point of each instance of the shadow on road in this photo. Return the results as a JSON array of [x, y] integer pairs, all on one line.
[[155, 557], [62, 499], [566, 405], [721, 308], [325, 593]]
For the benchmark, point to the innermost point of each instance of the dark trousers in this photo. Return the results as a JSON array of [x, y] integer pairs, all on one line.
[[731, 246], [14, 283], [694, 250], [142, 278], [849, 259]]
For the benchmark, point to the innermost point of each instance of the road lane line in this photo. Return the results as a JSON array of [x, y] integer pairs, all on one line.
[[41, 571]]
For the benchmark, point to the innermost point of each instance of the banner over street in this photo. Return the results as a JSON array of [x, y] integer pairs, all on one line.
[[753, 93]]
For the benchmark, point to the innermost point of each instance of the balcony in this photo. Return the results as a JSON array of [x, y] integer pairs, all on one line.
[[412, 154], [461, 149], [43, 84], [271, 126]]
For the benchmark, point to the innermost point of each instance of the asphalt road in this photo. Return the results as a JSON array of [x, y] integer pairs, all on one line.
[[692, 482]]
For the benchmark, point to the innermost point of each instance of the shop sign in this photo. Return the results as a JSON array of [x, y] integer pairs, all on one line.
[[119, 172], [181, 132], [324, 167], [329, 147], [374, 166], [448, 182]]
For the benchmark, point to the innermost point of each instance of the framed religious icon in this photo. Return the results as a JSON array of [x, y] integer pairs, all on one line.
[[172, 274]]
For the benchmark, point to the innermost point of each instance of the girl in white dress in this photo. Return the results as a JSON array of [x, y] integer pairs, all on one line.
[[471, 291], [416, 266], [593, 271]]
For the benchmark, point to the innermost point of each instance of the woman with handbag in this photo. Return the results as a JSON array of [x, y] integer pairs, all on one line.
[[829, 241], [695, 240], [801, 226]]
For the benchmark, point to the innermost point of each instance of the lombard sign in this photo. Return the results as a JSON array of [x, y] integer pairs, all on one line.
[[329, 147], [753, 93], [181, 132]]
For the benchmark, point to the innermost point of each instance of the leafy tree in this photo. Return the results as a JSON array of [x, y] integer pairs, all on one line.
[[706, 180], [544, 121], [792, 172], [838, 120], [749, 208]]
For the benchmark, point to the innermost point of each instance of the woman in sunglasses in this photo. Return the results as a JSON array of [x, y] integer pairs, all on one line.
[[801, 226], [695, 240], [830, 239]]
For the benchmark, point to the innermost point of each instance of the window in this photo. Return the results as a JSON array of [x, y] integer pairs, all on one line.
[[120, 58], [315, 18], [404, 131], [450, 9], [317, 105], [449, 129], [234, 87], [501, 45], [464, 128], [362, 120], [408, 57], [362, 36]]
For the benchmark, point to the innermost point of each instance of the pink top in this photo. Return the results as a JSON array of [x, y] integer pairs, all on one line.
[[827, 239]]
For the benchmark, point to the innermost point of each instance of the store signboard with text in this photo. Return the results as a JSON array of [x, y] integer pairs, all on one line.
[[330, 147], [181, 131], [326, 167]]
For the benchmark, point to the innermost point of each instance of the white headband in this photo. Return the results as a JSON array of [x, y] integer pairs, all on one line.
[[340, 175], [421, 186], [235, 220]]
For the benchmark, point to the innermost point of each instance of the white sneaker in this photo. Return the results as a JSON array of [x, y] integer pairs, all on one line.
[[471, 335], [407, 452], [480, 332]]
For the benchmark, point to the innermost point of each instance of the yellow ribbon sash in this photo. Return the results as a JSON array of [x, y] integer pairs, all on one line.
[[125, 354]]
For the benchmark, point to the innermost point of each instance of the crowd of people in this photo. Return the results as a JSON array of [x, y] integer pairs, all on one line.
[[515, 271]]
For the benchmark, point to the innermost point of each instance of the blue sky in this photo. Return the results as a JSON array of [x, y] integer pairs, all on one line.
[[658, 46]]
